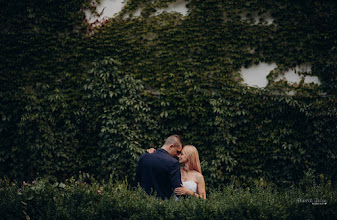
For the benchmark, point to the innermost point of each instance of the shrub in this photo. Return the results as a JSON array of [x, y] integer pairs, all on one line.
[[78, 199]]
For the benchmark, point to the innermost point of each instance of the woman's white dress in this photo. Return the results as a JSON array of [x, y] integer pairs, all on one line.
[[191, 185]]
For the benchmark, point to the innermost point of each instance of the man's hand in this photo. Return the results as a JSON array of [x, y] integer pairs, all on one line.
[[151, 150]]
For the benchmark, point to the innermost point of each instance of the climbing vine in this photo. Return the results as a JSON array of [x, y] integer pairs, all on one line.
[[183, 73]]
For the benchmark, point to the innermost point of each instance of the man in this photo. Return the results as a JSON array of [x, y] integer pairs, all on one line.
[[160, 172]]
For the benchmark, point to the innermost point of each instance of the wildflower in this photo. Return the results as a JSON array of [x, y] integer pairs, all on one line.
[[99, 192], [24, 183], [79, 172], [34, 182]]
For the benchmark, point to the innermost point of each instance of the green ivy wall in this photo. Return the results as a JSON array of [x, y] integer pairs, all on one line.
[[74, 97]]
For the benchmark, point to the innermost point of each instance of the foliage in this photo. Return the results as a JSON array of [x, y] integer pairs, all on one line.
[[66, 105], [119, 117], [83, 197]]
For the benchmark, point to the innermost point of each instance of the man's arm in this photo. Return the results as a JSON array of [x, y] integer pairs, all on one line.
[[176, 176]]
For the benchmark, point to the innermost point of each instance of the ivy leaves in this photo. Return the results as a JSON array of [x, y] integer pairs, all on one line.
[[67, 105], [121, 117]]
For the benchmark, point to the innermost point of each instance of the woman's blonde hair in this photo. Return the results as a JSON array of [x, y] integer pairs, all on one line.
[[192, 155]]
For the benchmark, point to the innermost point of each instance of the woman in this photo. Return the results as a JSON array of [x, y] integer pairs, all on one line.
[[191, 176]]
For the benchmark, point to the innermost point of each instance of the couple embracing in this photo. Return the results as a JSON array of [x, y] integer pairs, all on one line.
[[160, 172]]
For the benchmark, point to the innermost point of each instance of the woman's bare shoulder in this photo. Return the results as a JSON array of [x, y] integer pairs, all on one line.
[[198, 176]]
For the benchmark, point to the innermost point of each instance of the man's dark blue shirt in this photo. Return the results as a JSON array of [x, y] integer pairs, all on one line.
[[158, 172]]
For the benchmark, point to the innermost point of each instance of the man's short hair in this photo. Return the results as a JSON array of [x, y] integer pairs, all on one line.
[[175, 140]]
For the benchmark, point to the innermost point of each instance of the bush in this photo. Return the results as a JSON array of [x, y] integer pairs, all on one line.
[[85, 198]]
